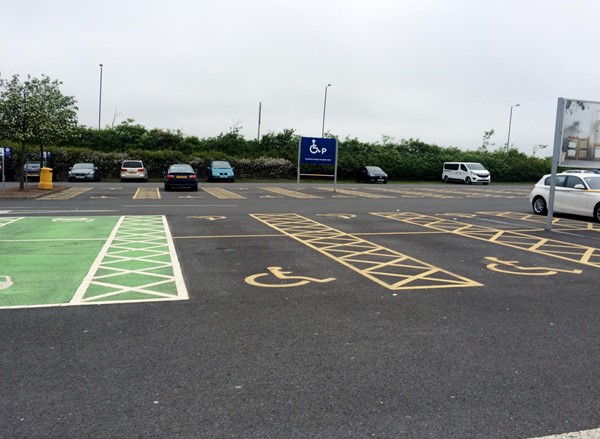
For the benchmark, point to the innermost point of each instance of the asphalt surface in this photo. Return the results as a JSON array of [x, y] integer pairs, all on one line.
[[433, 345]]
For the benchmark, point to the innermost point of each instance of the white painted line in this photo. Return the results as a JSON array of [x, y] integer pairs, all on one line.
[[179, 282], [87, 280], [127, 235], [584, 434], [11, 220]]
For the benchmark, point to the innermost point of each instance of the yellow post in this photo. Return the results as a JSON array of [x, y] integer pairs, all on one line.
[[45, 178]]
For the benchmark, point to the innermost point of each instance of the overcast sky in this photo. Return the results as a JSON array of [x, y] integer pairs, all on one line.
[[442, 71]]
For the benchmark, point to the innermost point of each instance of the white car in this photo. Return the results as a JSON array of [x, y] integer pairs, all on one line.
[[133, 170], [576, 193]]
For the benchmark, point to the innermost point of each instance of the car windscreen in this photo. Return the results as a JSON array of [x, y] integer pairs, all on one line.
[[220, 165], [475, 166], [374, 169], [32, 165], [181, 168], [83, 166], [593, 182]]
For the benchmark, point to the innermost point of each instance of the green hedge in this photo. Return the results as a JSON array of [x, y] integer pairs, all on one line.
[[275, 156]]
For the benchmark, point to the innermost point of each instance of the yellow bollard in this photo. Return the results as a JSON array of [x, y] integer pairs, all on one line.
[[45, 178]]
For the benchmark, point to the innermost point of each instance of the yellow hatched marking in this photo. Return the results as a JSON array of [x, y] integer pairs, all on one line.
[[223, 194], [147, 193], [66, 194], [549, 247], [561, 223], [355, 193], [405, 193], [289, 193], [386, 267]]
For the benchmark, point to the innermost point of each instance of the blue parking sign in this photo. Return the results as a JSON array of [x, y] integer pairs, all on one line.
[[5, 152], [318, 150]]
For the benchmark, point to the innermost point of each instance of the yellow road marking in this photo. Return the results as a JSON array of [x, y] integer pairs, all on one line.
[[289, 193], [147, 193], [283, 277], [561, 223], [414, 194], [388, 268], [222, 193], [512, 267], [355, 193], [523, 241], [208, 217], [66, 194]]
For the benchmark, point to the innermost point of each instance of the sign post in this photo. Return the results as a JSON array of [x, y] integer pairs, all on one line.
[[318, 151], [5, 151]]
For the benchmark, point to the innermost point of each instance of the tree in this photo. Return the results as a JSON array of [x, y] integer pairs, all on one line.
[[35, 111], [537, 148], [486, 142]]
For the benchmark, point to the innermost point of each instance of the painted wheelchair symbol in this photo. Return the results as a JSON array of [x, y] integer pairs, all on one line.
[[512, 267], [283, 276], [5, 282]]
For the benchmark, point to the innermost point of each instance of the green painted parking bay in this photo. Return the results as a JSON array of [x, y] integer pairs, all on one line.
[[55, 261]]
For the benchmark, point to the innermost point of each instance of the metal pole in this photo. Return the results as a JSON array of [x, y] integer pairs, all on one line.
[[509, 124], [100, 99], [324, 107], [259, 111]]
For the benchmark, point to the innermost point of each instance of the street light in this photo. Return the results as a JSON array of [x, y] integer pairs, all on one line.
[[509, 124], [324, 107], [100, 99]]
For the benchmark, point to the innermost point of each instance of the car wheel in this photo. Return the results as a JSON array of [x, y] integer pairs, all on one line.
[[468, 180], [539, 206], [385, 182], [195, 188], [597, 212], [167, 188], [445, 179], [122, 180]]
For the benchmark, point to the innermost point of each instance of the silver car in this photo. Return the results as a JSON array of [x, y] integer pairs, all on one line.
[[133, 170]]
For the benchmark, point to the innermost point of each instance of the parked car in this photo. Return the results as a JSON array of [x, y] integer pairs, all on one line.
[[220, 170], [83, 172], [576, 193], [371, 174], [465, 172], [181, 176], [133, 170], [32, 171], [582, 171]]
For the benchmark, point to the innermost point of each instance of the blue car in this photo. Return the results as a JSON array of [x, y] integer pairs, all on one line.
[[220, 170]]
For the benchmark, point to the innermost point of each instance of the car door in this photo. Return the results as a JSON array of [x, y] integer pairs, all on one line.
[[574, 200], [559, 192], [462, 172]]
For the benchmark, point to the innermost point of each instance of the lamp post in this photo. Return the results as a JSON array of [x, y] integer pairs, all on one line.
[[100, 99], [324, 107], [509, 124]]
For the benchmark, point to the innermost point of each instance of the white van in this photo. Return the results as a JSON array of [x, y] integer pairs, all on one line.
[[466, 172]]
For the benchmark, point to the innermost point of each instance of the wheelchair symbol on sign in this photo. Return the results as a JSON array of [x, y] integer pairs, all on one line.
[[314, 149], [283, 275]]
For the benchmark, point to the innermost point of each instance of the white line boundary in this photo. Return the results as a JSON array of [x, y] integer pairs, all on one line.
[[584, 434]]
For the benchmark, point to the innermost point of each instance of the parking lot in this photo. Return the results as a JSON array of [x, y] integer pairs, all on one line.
[[297, 310]]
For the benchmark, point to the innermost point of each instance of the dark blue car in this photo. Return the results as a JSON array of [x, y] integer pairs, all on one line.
[[181, 176]]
